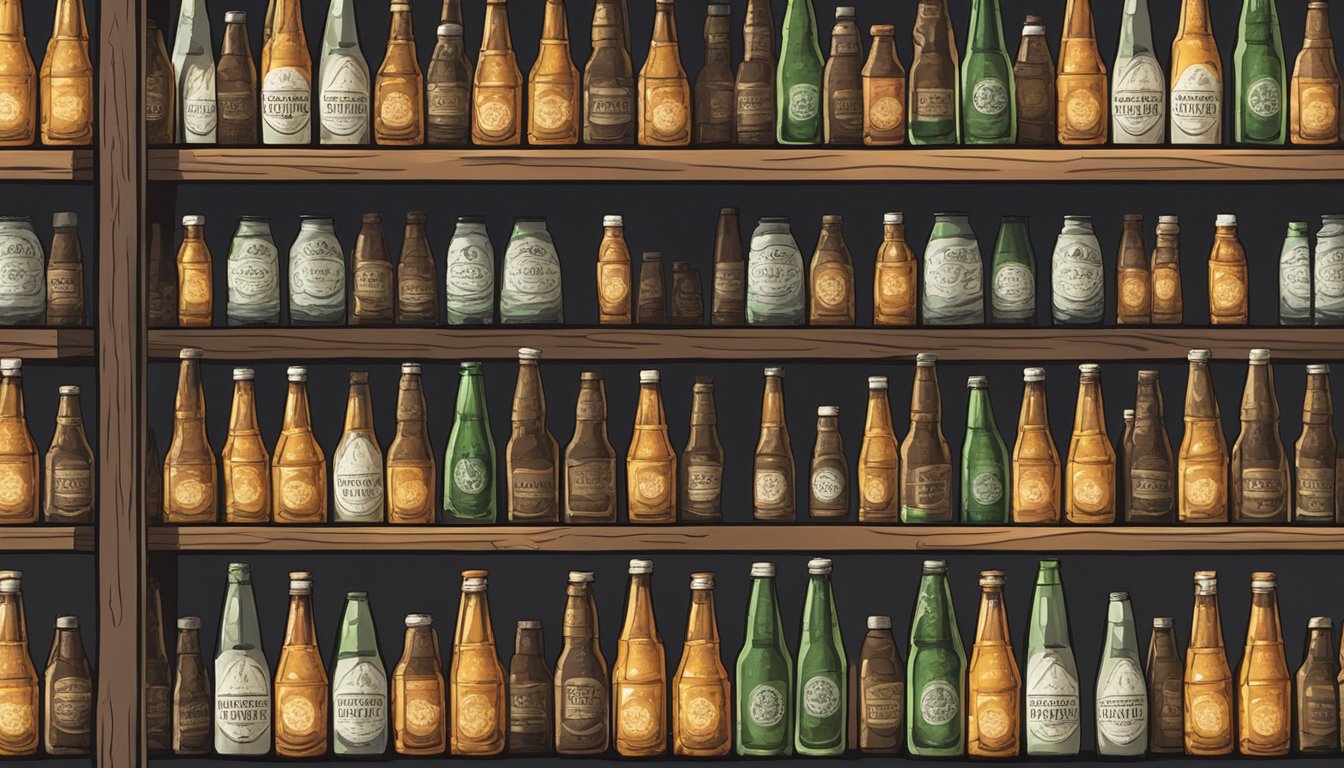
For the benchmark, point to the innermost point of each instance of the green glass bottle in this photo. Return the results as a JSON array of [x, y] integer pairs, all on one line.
[[764, 716], [822, 713], [1052, 673], [798, 77], [984, 461], [1122, 689], [358, 684], [988, 93], [469, 461], [935, 687], [1012, 284], [1261, 76]]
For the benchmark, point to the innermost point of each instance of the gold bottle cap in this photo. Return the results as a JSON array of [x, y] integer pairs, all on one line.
[[1259, 356], [528, 353], [528, 624], [702, 580], [1162, 622], [819, 566], [648, 377], [300, 587], [301, 575], [641, 566], [1205, 575], [1318, 369], [15, 575], [977, 382], [763, 570], [10, 586], [925, 358], [1033, 374], [612, 220], [64, 219], [359, 377], [235, 17], [1119, 597], [1089, 369], [1319, 622], [1128, 414], [777, 373], [879, 622], [719, 9], [1264, 581], [72, 622], [581, 577], [244, 374], [992, 579], [419, 620], [833, 218], [877, 382], [450, 29], [69, 389], [1173, 220], [843, 12], [193, 220], [1199, 356], [883, 30], [297, 373], [894, 217], [1226, 220], [590, 376], [400, 7], [186, 622], [187, 353], [410, 368], [828, 410], [935, 566]]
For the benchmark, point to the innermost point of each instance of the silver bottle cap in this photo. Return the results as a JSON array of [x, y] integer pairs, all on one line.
[[641, 566], [1319, 622], [300, 587], [419, 620], [411, 368], [1199, 356], [450, 29], [10, 586], [935, 566], [244, 374], [828, 410], [476, 582], [702, 581], [763, 570], [189, 353], [1264, 581], [648, 377], [297, 373], [1259, 356], [528, 353], [1089, 368], [819, 566], [64, 219], [877, 382], [72, 622], [879, 622], [1226, 220], [1162, 622], [719, 9], [894, 217], [1119, 597], [1318, 368], [581, 577], [193, 220], [235, 17], [843, 12], [612, 220], [1128, 414], [977, 382], [925, 358], [189, 622], [778, 373], [1033, 374], [69, 389], [11, 366], [1168, 220]]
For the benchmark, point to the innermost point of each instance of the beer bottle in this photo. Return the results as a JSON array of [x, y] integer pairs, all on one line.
[[879, 459], [1196, 79], [448, 89], [70, 466], [530, 683], [1328, 273], [1052, 708], [416, 280], [21, 259], [1168, 306], [582, 686], [687, 304], [247, 465], [66, 80], [1317, 701], [590, 461], [1081, 81], [832, 276], [419, 725], [1203, 460], [497, 91], [1264, 687], [316, 274], [358, 493], [189, 472], [1122, 695], [664, 92], [714, 83], [191, 696], [841, 80], [799, 77], [1133, 278], [822, 682], [286, 78], [613, 273], [236, 84], [160, 88], [1315, 451], [469, 459], [639, 679], [372, 279], [1035, 481], [158, 686], [65, 272], [895, 275], [1150, 493], [995, 685], [1260, 483], [935, 675], [343, 90], [608, 78], [651, 462], [1034, 76], [18, 86], [764, 711], [470, 274], [728, 305], [984, 463], [195, 288], [1013, 275], [399, 91], [883, 81], [926, 459], [988, 94], [1295, 276], [701, 723], [1261, 78], [934, 113], [358, 684], [953, 287], [776, 281], [1315, 94], [1125, 460], [1166, 710], [651, 304], [828, 498], [772, 471], [298, 464], [68, 692], [1089, 480], [881, 695], [242, 675], [700, 483], [532, 457], [754, 89], [1229, 282], [553, 84], [19, 685], [301, 688], [476, 679], [194, 69], [253, 268], [1138, 90], [411, 475], [1077, 280], [1208, 678], [531, 291]]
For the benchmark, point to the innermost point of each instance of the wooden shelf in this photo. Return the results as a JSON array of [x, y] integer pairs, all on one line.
[[47, 343], [759, 537], [812, 164], [46, 164], [46, 538], [1027, 345]]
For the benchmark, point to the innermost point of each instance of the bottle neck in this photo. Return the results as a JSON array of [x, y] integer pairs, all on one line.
[[527, 641], [496, 38], [932, 611], [299, 629], [818, 609], [639, 621], [1207, 629], [892, 233], [1318, 28], [1195, 19], [758, 37], [1199, 400], [297, 417], [580, 621], [1088, 419], [471, 397], [1148, 401], [1033, 405], [68, 411], [452, 11], [420, 643], [592, 404], [401, 30], [980, 412], [190, 399], [878, 420], [70, 22], [11, 19], [650, 410], [529, 403], [11, 619], [987, 34], [703, 412], [1078, 22], [664, 24], [554, 26], [1258, 402], [358, 411], [473, 620], [718, 46], [188, 642], [235, 41], [772, 404], [357, 629], [341, 28], [992, 628], [1316, 405], [288, 18], [701, 624], [1320, 646], [926, 402], [1264, 625], [763, 612], [243, 419], [410, 404]]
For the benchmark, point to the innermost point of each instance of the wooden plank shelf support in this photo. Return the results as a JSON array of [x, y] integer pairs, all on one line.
[[46, 165], [46, 538], [75, 344]]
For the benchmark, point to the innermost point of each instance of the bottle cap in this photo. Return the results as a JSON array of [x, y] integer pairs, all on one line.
[[188, 353], [189, 622], [648, 377], [883, 30], [730, 211], [581, 577], [1033, 374], [763, 570], [1089, 369], [833, 218], [9, 586], [1032, 25], [69, 389], [843, 12], [828, 410], [718, 9], [64, 219], [302, 575], [1128, 414], [877, 382], [450, 29], [1119, 597], [372, 217], [703, 384], [470, 367], [681, 266], [419, 620], [925, 358], [1206, 575], [356, 595], [1168, 220], [879, 622], [240, 573], [1132, 217], [977, 382], [16, 575], [235, 17], [411, 368], [528, 624], [1263, 581], [702, 580], [652, 257], [641, 566], [72, 622], [1319, 622], [895, 217], [778, 373], [1318, 369], [1259, 356], [1226, 220], [359, 377], [1077, 217], [1206, 582], [991, 579], [935, 566], [1199, 356], [1162, 622], [470, 219], [193, 220], [244, 374], [528, 353], [474, 580], [297, 373], [1147, 377], [11, 366], [613, 220], [774, 220], [819, 566], [300, 587]]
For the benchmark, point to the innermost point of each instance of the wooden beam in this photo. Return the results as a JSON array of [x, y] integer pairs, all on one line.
[[72, 344], [43, 164], [46, 538]]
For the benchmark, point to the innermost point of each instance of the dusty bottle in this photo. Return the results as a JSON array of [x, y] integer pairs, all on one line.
[[728, 306], [687, 306], [19, 684], [821, 712], [190, 477], [68, 490], [1261, 488], [195, 286], [158, 689], [842, 82], [700, 479], [530, 289], [832, 277], [476, 695], [194, 68], [247, 464], [1036, 469], [68, 692], [1328, 272], [298, 464], [1314, 499], [828, 484], [954, 286], [469, 459], [497, 91], [1034, 75], [613, 273], [1150, 490], [926, 459], [776, 281], [590, 461], [1317, 700], [934, 112], [772, 472], [1138, 90], [372, 279], [1081, 82], [1012, 282], [316, 274], [1089, 477], [1165, 267], [553, 84], [416, 280], [993, 681], [18, 83], [411, 474], [160, 88], [532, 457], [1165, 674], [1229, 282], [754, 89], [1295, 276], [191, 695], [582, 686], [419, 724], [21, 260], [1052, 701], [242, 716], [664, 91], [701, 693], [358, 684], [985, 491], [1133, 275], [343, 87], [358, 494], [1260, 76], [469, 274], [301, 687], [253, 269], [989, 106], [651, 461], [883, 85], [236, 84], [1196, 79], [286, 79], [1122, 693], [1125, 458], [66, 79], [799, 77], [1264, 686], [895, 279], [881, 694], [639, 678], [1077, 282], [448, 90], [1202, 464], [879, 459], [714, 86], [935, 692], [65, 273], [764, 711], [608, 78], [1314, 107], [651, 303], [530, 683], [1209, 705], [399, 90]]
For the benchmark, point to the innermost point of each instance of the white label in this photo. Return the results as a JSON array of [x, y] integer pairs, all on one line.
[[986, 488], [357, 478], [317, 273], [939, 703], [198, 102], [990, 97], [828, 484], [804, 102], [344, 98], [286, 100], [1014, 288], [532, 270], [821, 696], [766, 704], [953, 281], [774, 271], [1295, 281], [1264, 97], [252, 267], [22, 282], [470, 274], [1330, 281], [1137, 104], [470, 475], [1076, 276], [242, 698], [1197, 107], [769, 486], [1122, 703], [359, 701], [1052, 698]]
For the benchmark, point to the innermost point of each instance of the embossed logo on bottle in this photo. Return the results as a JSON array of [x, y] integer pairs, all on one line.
[[821, 696], [804, 102], [766, 705], [1137, 105], [989, 97], [357, 478], [242, 697], [1122, 706], [1197, 104], [1052, 698], [344, 94], [770, 486], [939, 703], [286, 98], [828, 484], [1265, 97], [470, 475], [359, 703]]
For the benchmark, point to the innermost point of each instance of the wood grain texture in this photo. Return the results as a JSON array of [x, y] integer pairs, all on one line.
[[597, 344], [46, 538], [762, 537], [46, 164], [778, 164], [72, 344]]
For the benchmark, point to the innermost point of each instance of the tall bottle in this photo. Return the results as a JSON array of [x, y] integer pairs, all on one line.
[[553, 84], [242, 674], [190, 476], [372, 282], [773, 472], [68, 692], [883, 80], [832, 276], [1034, 76], [1089, 478], [532, 457], [1317, 700], [531, 713], [195, 286], [926, 459], [191, 696], [1013, 275], [1229, 281], [988, 92], [530, 289], [1077, 279], [984, 461], [301, 684], [419, 714], [158, 688], [821, 714], [953, 286], [316, 274], [1328, 272], [411, 475], [1202, 464], [608, 78], [1150, 487], [651, 461], [1165, 674], [469, 460], [1264, 687], [358, 684], [1315, 89], [664, 91], [497, 91], [66, 79], [358, 491], [160, 88], [590, 460], [253, 274], [799, 77], [764, 704], [935, 691], [934, 113], [18, 676], [1261, 75], [1138, 90], [1133, 275], [1122, 693], [701, 692], [776, 282], [18, 83], [1314, 499], [1209, 705], [714, 86], [582, 686], [469, 274], [700, 482], [1196, 79], [1036, 469], [1165, 267], [194, 68], [754, 89], [828, 479], [399, 90], [476, 696], [881, 694], [1052, 700], [298, 464], [639, 678], [1261, 488], [286, 79], [728, 305], [842, 89], [69, 466], [1295, 276], [1081, 82], [879, 459], [613, 273], [993, 681], [448, 89], [416, 281], [236, 83], [247, 464]]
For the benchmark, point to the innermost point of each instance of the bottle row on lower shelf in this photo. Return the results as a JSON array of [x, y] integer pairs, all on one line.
[[57, 487]]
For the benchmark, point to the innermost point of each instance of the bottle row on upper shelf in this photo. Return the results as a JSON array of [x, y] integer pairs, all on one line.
[[909, 481], [800, 99], [65, 81], [61, 486]]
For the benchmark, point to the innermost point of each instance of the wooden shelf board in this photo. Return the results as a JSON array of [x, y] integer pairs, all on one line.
[[46, 164], [745, 165], [47, 343], [760, 537], [46, 538]]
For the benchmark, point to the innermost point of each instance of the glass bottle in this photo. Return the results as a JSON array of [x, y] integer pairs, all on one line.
[[1168, 303], [895, 278], [190, 477], [411, 474], [469, 458], [301, 684], [1328, 272], [419, 710], [194, 67], [70, 467], [831, 275], [399, 89], [934, 113], [993, 681], [497, 91], [700, 482], [191, 696], [639, 678], [1314, 462], [530, 290], [316, 274], [582, 685], [1261, 77], [1052, 701], [608, 78], [1133, 278], [728, 305], [664, 91], [828, 484], [1295, 276], [754, 89], [1013, 275], [476, 694], [358, 683], [935, 692], [651, 300], [651, 461], [66, 79], [879, 459], [372, 279], [242, 674], [883, 81], [773, 470], [926, 459], [1315, 87], [553, 84], [1229, 282], [590, 460], [18, 86], [286, 78], [1089, 477], [1122, 695], [842, 122], [1209, 705], [18, 676], [821, 712], [358, 492], [1034, 76], [1317, 700], [776, 281], [531, 712], [1196, 79], [1036, 469], [68, 692], [764, 674], [1166, 707], [253, 275], [985, 489], [881, 694], [714, 85], [416, 280], [1261, 488], [1138, 87], [532, 456], [1150, 487], [1202, 464], [613, 273], [298, 464], [246, 462], [158, 688], [687, 305], [160, 98], [21, 260], [988, 92], [236, 84], [701, 692], [953, 286], [799, 77], [469, 274], [1081, 83], [1077, 279], [1264, 686], [343, 86], [448, 90], [195, 287]]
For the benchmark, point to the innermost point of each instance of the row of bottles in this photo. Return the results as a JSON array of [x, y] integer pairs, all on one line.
[[58, 97], [770, 285], [815, 702], [55, 488], [1139, 478], [39, 288]]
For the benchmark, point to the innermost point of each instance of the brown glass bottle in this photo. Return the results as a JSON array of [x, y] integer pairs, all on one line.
[[417, 283], [926, 459], [195, 291], [639, 677], [828, 496], [247, 464], [700, 481], [68, 693], [158, 690], [298, 465], [651, 461], [66, 79], [497, 91], [476, 679], [590, 461], [883, 81], [1314, 107], [608, 78], [687, 306], [701, 694], [411, 472], [651, 305], [300, 681], [772, 472], [931, 112], [1150, 491], [664, 91], [1034, 76], [419, 724], [1083, 104], [728, 306], [714, 85], [754, 88], [895, 276], [1210, 704], [1133, 283], [162, 278], [1165, 272], [68, 496], [398, 89], [582, 686], [448, 90], [1089, 477], [832, 277], [1229, 281], [192, 704], [1316, 698], [879, 459], [842, 82], [372, 279], [20, 467], [1315, 453], [1125, 460], [993, 680], [881, 691], [532, 457], [1261, 490], [613, 273], [153, 479], [190, 476], [1202, 464], [160, 88], [1264, 689], [236, 84], [530, 683], [553, 84], [19, 685], [65, 272], [1036, 468], [1165, 674]]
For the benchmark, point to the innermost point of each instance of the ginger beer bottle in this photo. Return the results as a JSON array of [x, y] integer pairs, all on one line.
[[608, 78], [881, 695], [1034, 76], [372, 279], [469, 272], [994, 684], [984, 461], [926, 459], [160, 90], [1138, 90], [754, 89], [582, 685], [895, 278], [191, 696], [714, 82], [1036, 470], [553, 84], [988, 93], [194, 67], [358, 684], [417, 283], [399, 89], [1264, 687], [1203, 460], [613, 273], [236, 83], [1012, 283], [764, 704], [883, 80], [18, 82], [242, 674], [68, 496], [935, 688], [530, 709], [469, 459], [728, 306], [317, 290], [772, 473], [531, 458], [701, 693], [419, 725], [158, 689], [1166, 708], [298, 465], [664, 91], [832, 276], [190, 476], [1317, 701], [66, 80], [1165, 267], [247, 464], [1052, 700], [700, 482], [828, 484], [476, 695], [358, 493], [497, 91], [1089, 478], [1209, 706], [19, 685], [253, 269], [195, 287], [1229, 282], [953, 287], [301, 687], [821, 713], [1133, 278], [639, 679], [1295, 276], [590, 461], [1261, 488], [448, 90], [286, 79], [1081, 82], [842, 122], [343, 88], [1314, 498], [1258, 63], [1315, 95], [651, 461], [1122, 694], [879, 459], [1077, 279], [411, 474], [799, 77], [1150, 492], [934, 113], [1196, 79]]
